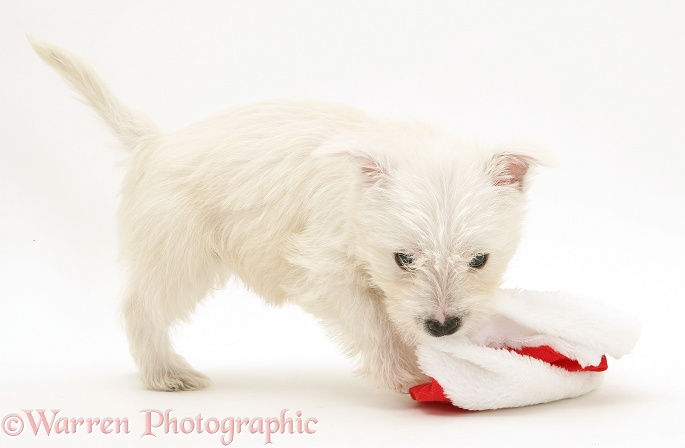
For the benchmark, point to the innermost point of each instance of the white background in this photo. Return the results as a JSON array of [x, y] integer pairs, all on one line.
[[602, 84]]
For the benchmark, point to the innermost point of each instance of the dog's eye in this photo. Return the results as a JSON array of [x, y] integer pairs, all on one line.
[[404, 260], [478, 260]]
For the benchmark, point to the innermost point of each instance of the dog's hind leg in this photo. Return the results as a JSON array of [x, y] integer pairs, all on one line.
[[159, 296], [161, 368]]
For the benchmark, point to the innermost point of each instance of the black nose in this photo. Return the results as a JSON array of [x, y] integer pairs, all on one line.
[[435, 328]]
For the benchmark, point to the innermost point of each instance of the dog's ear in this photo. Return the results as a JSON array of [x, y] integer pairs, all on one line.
[[509, 169], [374, 168], [512, 168]]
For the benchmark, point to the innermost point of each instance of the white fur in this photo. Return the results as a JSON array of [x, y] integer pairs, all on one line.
[[307, 202]]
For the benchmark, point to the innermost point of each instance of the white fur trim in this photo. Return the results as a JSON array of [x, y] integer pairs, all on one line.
[[479, 373], [480, 378]]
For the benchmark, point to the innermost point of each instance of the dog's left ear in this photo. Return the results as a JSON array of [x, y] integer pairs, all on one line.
[[373, 168], [512, 168]]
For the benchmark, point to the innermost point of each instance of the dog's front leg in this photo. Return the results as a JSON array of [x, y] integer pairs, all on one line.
[[356, 318]]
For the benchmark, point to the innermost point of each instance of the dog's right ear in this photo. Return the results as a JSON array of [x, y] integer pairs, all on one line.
[[510, 168], [373, 168]]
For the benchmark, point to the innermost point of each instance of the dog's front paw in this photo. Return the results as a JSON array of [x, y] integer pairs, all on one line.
[[399, 378], [403, 383], [174, 379]]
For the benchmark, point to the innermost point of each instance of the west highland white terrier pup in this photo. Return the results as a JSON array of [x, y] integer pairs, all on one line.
[[386, 231]]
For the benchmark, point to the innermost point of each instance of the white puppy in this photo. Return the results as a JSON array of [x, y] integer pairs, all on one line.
[[386, 231]]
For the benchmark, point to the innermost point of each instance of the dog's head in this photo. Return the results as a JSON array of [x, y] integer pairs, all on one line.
[[436, 224]]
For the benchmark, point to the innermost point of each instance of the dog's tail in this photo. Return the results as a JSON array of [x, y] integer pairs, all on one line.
[[129, 125]]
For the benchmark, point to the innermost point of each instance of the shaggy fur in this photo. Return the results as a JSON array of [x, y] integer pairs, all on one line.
[[307, 202]]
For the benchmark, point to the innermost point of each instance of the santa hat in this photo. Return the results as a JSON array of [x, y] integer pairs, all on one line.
[[536, 347]]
